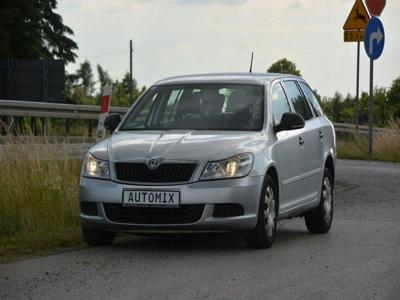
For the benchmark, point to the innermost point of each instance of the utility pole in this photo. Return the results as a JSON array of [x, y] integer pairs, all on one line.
[[130, 72]]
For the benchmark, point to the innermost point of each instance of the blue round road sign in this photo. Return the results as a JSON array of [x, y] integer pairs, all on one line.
[[374, 38]]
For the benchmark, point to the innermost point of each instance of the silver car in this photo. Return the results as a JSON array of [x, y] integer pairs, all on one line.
[[216, 152]]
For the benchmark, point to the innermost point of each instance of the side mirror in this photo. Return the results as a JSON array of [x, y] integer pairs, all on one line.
[[112, 121], [290, 121]]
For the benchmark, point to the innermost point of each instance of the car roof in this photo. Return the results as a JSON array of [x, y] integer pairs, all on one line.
[[244, 78]]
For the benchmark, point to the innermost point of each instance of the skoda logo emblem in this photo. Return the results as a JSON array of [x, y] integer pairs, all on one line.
[[153, 164]]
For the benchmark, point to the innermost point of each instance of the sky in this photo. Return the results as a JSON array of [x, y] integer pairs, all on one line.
[[179, 37]]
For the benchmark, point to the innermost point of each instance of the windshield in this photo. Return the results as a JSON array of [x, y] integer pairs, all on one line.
[[199, 107]]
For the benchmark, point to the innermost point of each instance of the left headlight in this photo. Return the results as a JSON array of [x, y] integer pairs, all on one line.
[[94, 167], [236, 166]]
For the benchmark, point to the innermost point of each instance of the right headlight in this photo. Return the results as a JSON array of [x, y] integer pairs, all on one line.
[[94, 167], [236, 166]]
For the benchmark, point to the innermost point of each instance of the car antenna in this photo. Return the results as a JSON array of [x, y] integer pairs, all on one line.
[[251, 63]]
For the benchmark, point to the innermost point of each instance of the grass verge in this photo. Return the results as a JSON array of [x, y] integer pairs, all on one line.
[[386, 146], [38, 199]]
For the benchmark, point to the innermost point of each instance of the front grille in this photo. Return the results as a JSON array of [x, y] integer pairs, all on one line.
[[185, 214], [165, 173]]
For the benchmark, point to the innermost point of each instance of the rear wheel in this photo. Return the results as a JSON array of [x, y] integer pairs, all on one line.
[[263, 235], [320, 219], [95, 237]]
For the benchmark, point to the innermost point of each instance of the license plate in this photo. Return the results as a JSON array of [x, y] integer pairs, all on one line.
[[145, 198]]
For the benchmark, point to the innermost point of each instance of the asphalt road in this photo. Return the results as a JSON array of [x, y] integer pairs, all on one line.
[[358, 259]]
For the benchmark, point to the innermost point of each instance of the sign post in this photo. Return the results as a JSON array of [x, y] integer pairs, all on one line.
[[104, 110], [374, 42], [354, 29]]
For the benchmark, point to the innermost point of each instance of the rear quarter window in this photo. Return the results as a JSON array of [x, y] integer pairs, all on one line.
[[312, 99]]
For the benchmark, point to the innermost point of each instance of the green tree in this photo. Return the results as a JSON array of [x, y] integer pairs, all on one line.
[[79, 96], [121, 91], [104, 77], [32, 29], [85, 75], [71, 81], [284, 66], [326, 105], [120, 96], [347, 109], [126, 80], [364, 108], [382, 113], [336, 107], [80, 87], [393, 96], [381, 110]]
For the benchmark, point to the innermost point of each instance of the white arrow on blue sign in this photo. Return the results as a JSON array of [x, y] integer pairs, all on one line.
[[374, 38]]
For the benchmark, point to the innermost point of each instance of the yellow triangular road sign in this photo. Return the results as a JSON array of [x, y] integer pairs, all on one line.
[[358, 17]]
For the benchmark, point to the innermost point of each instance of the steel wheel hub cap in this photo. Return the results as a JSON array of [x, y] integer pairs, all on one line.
[[269, 211], [327, 199]]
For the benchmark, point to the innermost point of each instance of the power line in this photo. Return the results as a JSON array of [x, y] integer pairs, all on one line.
[[106, 54], [147, 64], [135, 53]]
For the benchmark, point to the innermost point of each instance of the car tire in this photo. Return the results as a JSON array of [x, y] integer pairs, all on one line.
[[96, 238], [319, 220], [263, 235]]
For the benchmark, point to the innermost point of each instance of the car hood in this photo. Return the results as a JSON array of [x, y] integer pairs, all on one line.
[[182, 145]]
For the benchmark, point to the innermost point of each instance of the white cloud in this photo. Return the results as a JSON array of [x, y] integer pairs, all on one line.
[[191, 36]]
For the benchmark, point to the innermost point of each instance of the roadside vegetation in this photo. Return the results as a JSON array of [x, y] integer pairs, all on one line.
[[38, 199], [386, 145]]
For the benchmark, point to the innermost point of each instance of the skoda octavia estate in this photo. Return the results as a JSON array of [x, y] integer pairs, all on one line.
[[215, 152]]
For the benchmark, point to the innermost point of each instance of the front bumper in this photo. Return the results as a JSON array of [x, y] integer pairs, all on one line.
[[244, 191]]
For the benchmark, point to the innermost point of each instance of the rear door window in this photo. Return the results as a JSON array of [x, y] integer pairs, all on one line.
[[312, 99], [296, 97]]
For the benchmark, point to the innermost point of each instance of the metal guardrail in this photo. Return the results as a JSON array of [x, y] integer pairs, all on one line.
[[13, 108], [346, 127]]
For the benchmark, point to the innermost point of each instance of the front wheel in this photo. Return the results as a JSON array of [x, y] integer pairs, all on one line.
[[95, 237], [320, 219], [263, 235]]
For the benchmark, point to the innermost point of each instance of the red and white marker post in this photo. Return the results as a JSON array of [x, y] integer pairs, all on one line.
[[104, 110]]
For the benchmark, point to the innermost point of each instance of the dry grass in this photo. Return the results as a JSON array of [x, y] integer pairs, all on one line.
[[386, 146], [38, 198]]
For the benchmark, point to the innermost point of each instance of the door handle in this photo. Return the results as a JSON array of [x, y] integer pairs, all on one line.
[[301, 141], [321, 135]]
